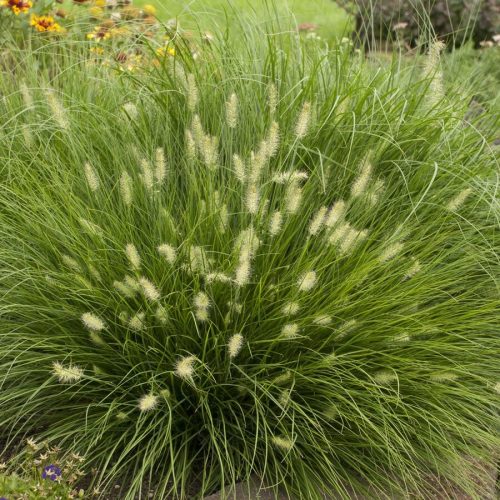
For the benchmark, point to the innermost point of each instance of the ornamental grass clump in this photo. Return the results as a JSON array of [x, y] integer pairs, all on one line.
[[280, 286]]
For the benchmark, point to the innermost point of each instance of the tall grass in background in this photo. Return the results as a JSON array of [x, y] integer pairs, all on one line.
[[275, 260]]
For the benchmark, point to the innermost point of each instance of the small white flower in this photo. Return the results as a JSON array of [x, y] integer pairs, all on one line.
[[235, 345], [148, 402], [93, 322]]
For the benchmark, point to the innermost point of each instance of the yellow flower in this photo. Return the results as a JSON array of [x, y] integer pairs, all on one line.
[[45, 23], [165, 51], [99, 34], [17, 6], [149, 9]]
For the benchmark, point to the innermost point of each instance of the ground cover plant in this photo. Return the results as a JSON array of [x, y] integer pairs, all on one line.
[[267, 258]]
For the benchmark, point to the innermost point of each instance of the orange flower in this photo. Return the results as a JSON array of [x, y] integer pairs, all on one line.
[[45, 23], [17, 6]]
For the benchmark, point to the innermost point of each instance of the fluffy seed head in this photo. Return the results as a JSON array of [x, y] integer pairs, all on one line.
[[413, 269], [443, 376], [239, 168], [275, 223], [322, 320], [201, 301], [232, 111], [168, 252], [27, 97], [293, 197], [291, 308], [273, 139], [307, 281], [217, 278], [292, 176], [272, 98], [360, 184], [390, 252], [131, 110], [160, 166], [335, 214], [126, 188], [184, 368], [148, 402], [92, 322], [67, 374], [133, 256], [339, 233], [149, 289], [235, 345], [290, 330], [384, 377], [459, 200], [71, 263], [317, 221], [252, 199], [147, 174], [161, 315], [192, 92], [190, 145], [283, 443], [136, 322], [59, 113], [198, 259], [302, 125], [243, 272], [92, 177]]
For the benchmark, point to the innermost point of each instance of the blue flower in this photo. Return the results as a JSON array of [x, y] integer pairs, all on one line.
[[51, 472]]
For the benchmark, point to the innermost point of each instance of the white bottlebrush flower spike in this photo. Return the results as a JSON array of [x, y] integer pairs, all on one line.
[[184, 368], [303, 121], [318, 221], [133, 256], [291, 308], [361, 183], [275, 223], [322, 320], [67, 374], [391, 251], [148, 402], [283, 443], [457, 202], [192, 92], [235, 345], [58, 111], [201, 301], [307, 281], [160, 166], [149, 289], [232, 111], [290, 330], [92, 177], [168, 252], [92, 322], [136, 322], [126, 188], [239, 168], [335, 214]]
